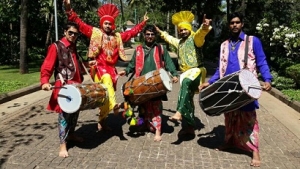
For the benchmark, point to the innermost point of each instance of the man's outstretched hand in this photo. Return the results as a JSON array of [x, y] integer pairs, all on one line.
[[146, 18], [67, 4], [205, 22]]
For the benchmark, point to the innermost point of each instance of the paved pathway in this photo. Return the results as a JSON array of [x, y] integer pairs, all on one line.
[[28, 139]]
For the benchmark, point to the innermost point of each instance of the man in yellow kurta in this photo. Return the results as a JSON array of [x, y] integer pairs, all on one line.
[[190, 60]]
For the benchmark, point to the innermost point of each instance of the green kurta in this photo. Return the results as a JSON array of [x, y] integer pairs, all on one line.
[[149, 64]]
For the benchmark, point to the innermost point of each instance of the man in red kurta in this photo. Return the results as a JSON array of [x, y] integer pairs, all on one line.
[[62, 60], [106, 46]]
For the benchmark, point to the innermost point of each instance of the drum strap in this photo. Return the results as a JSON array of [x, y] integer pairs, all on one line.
[[246, 52], [159, 47], [161, 58]]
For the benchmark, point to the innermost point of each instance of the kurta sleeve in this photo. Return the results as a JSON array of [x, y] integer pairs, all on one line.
[[169, 39], [261, 61], [48, 65], [131, 65], [199, 37], [169, 64], [127, 35], [84, 28], [215, 77]]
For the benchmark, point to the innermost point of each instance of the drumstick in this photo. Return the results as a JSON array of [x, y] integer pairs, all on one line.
[[87, 72], [254, 87], [57, 87], [64, 96]]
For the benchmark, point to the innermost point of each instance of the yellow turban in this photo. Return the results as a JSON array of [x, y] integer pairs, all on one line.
[[183, 19]]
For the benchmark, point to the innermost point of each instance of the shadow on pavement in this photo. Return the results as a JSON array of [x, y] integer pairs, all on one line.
[[19, 129], [215, 138], [138, 131], [212, 139], [187, 137], [94, 138]]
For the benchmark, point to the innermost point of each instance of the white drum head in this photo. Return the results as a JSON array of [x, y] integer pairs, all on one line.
[[250, 83], [69, 99], [166, 79]]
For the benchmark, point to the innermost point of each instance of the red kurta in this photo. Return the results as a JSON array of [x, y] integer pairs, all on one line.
[[106, 64], [48, 67]]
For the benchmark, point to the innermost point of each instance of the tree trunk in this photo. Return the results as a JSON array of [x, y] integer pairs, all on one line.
[[243, 7], [228, 9], [47, 43], [23, 34], [168, 21], [11, 41], [122, 13]]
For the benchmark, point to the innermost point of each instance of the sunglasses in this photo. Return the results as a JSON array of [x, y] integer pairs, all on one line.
[[235, 22], [70, 33], [150, 34]]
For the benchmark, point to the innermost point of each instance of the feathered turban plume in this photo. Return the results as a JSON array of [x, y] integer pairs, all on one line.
[[108, 12], [183, 19]]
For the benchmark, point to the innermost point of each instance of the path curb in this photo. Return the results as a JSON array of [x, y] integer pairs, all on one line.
[[280, 96], [6, 97]]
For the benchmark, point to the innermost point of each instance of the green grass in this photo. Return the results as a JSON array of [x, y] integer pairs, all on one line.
[[292, 94], [11, 79]]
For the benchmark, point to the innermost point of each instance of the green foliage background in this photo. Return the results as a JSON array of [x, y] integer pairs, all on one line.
[[41, 30]]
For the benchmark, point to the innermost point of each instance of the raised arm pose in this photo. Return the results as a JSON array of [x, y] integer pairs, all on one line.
[[190, 59], [106, 47]]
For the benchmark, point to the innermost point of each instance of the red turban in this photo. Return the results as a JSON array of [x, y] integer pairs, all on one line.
[[108, 12]]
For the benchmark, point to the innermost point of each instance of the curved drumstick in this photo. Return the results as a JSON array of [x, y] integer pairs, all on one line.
[[255, 87], [57, 87], [64, 96]]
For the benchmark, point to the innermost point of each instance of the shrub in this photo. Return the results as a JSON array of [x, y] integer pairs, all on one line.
[[280, 82], [292, 94], [294, 73]]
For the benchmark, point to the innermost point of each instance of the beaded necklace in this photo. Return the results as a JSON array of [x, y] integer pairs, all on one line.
[[233, 45]]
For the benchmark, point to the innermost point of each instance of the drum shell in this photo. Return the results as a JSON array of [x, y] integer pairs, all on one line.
[[225, 95], [147, 87], [93, 95], [81, 97]]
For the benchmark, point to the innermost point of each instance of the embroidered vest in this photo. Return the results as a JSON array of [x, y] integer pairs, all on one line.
[[64, 64], [96, 44], [189, 55], [140, 58], [224, 54]]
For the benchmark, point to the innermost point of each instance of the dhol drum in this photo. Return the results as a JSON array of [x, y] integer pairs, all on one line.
[[230, 93], [151, 85], [75, 97]]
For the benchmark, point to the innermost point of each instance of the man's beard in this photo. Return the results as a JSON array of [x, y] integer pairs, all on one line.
[[184, 36], [107, 30]]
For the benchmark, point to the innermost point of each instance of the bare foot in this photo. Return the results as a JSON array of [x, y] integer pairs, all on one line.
[[102, 127], [157, 138], [73, 137], [176, 117], [255, 162], [63, 150], [116, 109], [99, 126]]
